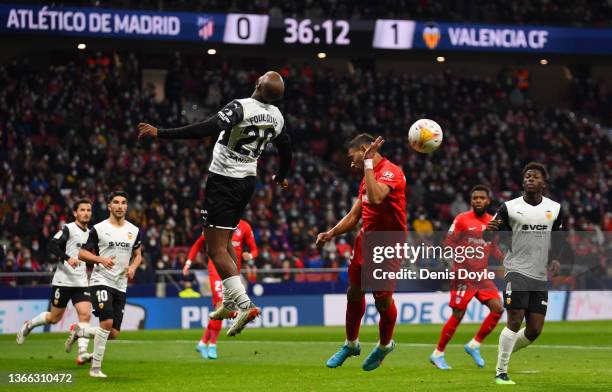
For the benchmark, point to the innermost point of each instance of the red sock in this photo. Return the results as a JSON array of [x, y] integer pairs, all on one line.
[[354, 312], [487, 326], [205, 336], [447, 332], [214, 328], [387, 324]]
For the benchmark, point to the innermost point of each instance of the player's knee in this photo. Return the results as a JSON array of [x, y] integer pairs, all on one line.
[[383, 302], [114, 334]]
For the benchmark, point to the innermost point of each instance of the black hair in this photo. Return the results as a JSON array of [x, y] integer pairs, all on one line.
[[481, 187], [360, 140], [116, 193], [76, 205], [535, 166]]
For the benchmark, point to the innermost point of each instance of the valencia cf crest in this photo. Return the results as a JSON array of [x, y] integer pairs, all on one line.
[[431, 35], [549, 214], [55, 301], [508, 300], [130, 236], [101, 305]]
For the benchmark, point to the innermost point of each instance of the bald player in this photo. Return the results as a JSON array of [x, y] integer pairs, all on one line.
[[244, 128]]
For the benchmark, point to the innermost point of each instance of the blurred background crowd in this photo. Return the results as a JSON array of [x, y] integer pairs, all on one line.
[[68, 131]]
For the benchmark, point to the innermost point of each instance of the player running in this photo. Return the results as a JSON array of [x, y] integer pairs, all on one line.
[[111, 245], [382, 206], [466, 231], [243, 235], [530, 218], [70, 278], [245, 126]]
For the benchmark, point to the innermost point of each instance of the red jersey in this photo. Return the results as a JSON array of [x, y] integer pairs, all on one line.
[[390, 215], [243, 234], [465, 231]]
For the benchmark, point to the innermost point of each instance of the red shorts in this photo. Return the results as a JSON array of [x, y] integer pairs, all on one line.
[[354, 269], [216, 284], [462, 294]]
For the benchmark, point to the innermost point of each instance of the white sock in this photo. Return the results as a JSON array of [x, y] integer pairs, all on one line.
[[41, 319], [212, 345], [87, 331], [352, 343], [521, 340], [506, 343], [473, 344], [99, 347], [83, 341], [234, 290], [438, 353]]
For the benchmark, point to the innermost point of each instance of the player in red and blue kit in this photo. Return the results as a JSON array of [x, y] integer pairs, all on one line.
[[466, 231], [243, 235], [381, 205]]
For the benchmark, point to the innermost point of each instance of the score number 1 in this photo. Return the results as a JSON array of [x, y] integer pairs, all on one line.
[[393, 34]]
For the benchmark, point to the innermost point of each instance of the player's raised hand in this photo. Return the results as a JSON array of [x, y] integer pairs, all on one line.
[[74, 263], [373, 148], [186, 268], [494, 225], [108, 262], [322, 238], [146, 130], [283, 184]]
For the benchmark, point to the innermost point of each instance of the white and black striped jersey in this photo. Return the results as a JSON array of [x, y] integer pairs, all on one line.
[[107, 240], [65, 244], [531, 228], [249, 125]]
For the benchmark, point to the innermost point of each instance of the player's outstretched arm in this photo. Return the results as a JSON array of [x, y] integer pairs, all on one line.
[[347, 223], [206, 128]]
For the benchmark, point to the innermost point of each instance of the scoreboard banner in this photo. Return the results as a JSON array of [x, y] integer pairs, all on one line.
[[255, 29]]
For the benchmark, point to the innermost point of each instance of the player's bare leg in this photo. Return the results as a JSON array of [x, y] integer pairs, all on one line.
[[218, 242], [488, 325], [44, 318], [83, 309], [507, 340], [355, 309], [388, 315], [448, 330]]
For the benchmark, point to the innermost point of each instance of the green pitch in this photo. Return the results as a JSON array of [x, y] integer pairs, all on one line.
[[568, 356]]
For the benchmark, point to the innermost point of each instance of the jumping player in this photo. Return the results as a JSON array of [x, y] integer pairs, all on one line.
[[111, 245], [382, 207], [465, 231], [70, 278], [531, 218], [245, 126], [243, 235]]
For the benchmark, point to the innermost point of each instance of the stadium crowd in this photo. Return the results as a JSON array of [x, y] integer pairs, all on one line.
[[69, 132], [581, 13]]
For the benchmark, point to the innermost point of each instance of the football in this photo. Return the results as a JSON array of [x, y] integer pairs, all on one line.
[[425, 136]]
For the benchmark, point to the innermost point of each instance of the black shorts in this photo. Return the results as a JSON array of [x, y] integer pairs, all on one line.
[[108, 303], [62, 294], [225, 200], [519, 293]]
